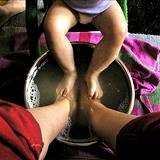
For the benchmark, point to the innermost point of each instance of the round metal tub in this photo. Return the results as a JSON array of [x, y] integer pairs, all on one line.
[[45, 74]]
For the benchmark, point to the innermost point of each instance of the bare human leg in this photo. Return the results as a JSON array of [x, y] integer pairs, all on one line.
[[53, 118], [58, 21], [113, 121], [113, 26], [11, 8]]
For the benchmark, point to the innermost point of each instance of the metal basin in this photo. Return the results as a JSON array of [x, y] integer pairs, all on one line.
[[45, 74]]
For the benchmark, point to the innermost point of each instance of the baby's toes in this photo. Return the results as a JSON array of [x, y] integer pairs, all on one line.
[[64, 92]]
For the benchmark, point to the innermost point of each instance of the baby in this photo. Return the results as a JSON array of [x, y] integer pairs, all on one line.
[[106, 16]]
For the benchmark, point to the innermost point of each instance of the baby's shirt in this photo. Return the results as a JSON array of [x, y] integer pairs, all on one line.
[[92, 7]]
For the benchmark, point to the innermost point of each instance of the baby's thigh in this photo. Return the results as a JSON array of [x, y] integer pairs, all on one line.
[[111, 20], [60, 17]]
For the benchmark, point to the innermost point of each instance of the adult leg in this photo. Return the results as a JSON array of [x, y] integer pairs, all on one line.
[[11, 8], [105, 122], [52, 119], [113, 26], [58, 21], [113, 122]]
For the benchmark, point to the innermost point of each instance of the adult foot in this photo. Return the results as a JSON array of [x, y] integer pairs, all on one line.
[[72, 98], [85, 104]]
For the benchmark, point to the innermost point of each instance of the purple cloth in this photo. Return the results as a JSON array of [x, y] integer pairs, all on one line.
[[144, 65], [92, 7], [13, 72]]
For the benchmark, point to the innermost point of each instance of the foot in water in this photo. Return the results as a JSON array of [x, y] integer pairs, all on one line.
[[72, 97], [66, 84], [93, 86]]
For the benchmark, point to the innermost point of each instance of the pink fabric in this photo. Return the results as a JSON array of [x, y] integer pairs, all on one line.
[[145, 70]]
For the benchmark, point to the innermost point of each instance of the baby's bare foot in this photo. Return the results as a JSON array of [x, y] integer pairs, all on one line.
[[94, 88], [66, 84]]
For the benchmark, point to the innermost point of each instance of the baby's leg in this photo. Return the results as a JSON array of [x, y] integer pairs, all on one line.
[[113, 26], [58, 21]]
